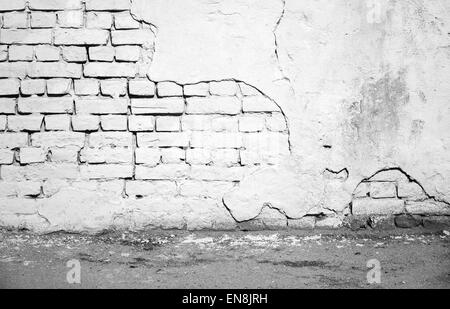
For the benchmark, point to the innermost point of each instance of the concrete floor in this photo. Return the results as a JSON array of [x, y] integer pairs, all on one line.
[[287, 259]]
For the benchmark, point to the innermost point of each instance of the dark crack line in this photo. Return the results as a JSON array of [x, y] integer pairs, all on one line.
[[266, 205], [277, 47]]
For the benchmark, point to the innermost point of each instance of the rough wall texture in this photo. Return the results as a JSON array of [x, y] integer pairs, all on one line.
[[206, 114]]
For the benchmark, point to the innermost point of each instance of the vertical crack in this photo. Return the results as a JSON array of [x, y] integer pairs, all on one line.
[[277, 47]]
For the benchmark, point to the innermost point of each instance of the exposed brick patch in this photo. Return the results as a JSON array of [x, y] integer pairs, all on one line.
[[392, 192], [77, 108]]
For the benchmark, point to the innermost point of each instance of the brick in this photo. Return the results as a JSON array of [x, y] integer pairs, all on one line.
[[110, 139], [258, 104], [114, 87], [107, 5], [112, 188], [32, 155], [157, 106], [132, 37], [128, 53], [215, 173], [436, 222], [20, 189], [43, 20], [55, 70], [367, 206], [3, 52], [52, 186], [59, 86], [16, 69], [25, 123], [13, 140], [106, 171], [169, 89], [64, 154], [270, 142], [197, 90], [57, 139], [7, 106], [276, 123], [21, 53], [163, 139], [85, 123], [46, 105], [86, 87], [57, 123], [250, 157], [99, 20], [198, 156], [55, 5], [2, 123], [162, 172], [206, 189], [168, 124], [101, 53], [110, 70], [363, 190], [262, 148], [114, 123], [224, 124], [71, 19], [141, 123], [261, 156], [81, 37], [33, 86], [142, 88], [216, 105], [74, 54], [124, 21], [29, 36], [46, 53], [251, 124], [106, 155], [42, 171], [247, 90], [144, 188], [410, 191], [428, 207], [196, 122], [16, 5], [383, 190], [223, 88], [6, 157], [173, 155], [216, 140], [9, 87], [148, 156], [17, 20], [225, 157], [101, 106]]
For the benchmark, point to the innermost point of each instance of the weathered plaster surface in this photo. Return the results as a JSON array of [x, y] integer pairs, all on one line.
[[364, 86]]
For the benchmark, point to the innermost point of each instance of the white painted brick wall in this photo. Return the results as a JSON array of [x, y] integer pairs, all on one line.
[[77, 110]]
